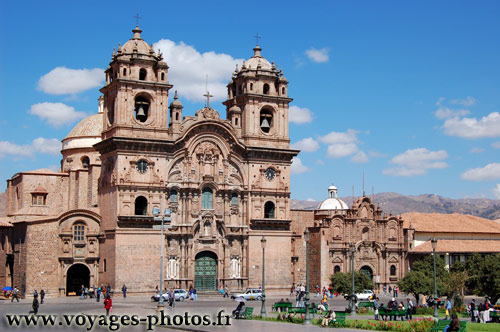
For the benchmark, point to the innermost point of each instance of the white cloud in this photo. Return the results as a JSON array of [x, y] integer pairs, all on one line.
[[299, 115], [62, 80], [308, 144], [469, 101], [189, 69], [487, 126], [417, 162], [496, 145], [445, 113], [57, 114], [488, 172], [48, 146], [339, 137], [360, 157], [297, 166], [341, 150], [318, 55], [496, 191], [476, 150], [38, 145]]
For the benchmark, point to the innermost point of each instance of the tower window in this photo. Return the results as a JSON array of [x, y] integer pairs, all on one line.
[[142, 74], [142, 166], [236, 121], [141, 109], [269, 210], [162, 76], [38, 199], [173, 196], [393, 270], [266, 120], [85, 162], [176, 116], [141, 206], [251, 86], [207, 198], [78, 232], [234, 198], [282, 91], [124, 71], [266, 89]]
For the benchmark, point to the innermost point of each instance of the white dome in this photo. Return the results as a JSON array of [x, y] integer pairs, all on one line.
[[333, 202], [258, 61]]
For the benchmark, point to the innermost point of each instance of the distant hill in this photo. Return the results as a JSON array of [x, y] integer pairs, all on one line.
[[3, 204], [397, 203]]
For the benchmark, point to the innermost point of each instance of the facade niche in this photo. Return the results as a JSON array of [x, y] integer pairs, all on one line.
[[393, 270], [141, 206], [142, 74], [266, 120], [141, 108], [269, 210], [85, 162]]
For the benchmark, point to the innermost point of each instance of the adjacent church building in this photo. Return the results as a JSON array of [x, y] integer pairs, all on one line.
[[225, 182]]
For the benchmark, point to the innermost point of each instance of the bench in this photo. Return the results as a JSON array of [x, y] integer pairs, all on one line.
[[495, 316], [365, 304], [281, 306], [442, 323], [385, 312], [248, 314], [339, 319], [301, 310]]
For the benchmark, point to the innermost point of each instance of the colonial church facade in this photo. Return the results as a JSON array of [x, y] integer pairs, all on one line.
[[225, 181]]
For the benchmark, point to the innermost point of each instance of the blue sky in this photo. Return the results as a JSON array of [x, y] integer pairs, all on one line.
[[406, 92]]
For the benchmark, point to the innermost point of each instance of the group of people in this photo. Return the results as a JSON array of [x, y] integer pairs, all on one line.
[[394, 305], [392, 290], [480, 313]]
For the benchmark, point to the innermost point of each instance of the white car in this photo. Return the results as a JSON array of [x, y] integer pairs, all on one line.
[[250, 294], [180, 295], [365, 295]]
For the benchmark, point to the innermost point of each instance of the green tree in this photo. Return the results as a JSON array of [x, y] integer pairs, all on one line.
[[455, 285], [420, 279], [342, 282], [484, 275]]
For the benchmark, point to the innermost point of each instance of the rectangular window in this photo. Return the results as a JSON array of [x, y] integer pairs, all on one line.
[[37, 199], [79, 233], [234, 199]]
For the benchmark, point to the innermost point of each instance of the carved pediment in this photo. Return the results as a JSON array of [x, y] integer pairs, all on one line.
[[393, 260], [337, 259]]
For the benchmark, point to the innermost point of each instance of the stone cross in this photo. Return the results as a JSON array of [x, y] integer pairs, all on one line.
[[137, 17], [257, 37], [208, 95]]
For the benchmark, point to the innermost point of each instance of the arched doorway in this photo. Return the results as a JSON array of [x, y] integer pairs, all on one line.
[[205, 271], [77, 275], [368, 271]]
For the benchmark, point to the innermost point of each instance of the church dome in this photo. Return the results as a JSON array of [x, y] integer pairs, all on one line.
[[85, 134], [136, 45], [333, 202], [258, 61]]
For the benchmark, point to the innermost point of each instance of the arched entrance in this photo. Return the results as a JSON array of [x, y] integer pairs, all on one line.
[[77, 275], [368, 271], [205, 271]]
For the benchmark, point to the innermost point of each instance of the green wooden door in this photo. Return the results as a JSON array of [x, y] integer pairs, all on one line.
[[205, 272]]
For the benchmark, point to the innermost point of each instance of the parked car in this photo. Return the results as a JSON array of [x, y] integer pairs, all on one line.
[[250, 294], [180, 295], [365, 295]]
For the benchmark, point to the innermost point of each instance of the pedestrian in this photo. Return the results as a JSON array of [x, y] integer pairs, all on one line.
[[82, 292], [171, 298], [385, 290], [473, 310], [108, 305], [195, 294], [317, 290], [124, 291], [299, 299], [35, 293], [35, 304], [226, 292], [42, 296], [448, 308], [15, 294], [98, 294], [409, 309], [292, 290], [108, 290], [86, 293], [481, 309], [376, 306], [390, 290]]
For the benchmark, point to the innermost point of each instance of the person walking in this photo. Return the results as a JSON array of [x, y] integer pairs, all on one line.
[[376, 306], [108, 290], [448, 309], [35, 304], [108, 304], [82, 292], [409, 309], [35, 293], [385, 290], [42, 296], [226, 292], [15, 294], [473, 311], [390, 290], [98, 294], [124, 291], [171, 298]]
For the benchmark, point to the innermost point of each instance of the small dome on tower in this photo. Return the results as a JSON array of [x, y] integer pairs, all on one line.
[[176, 103], [258, 61], [137, 45], [235, 108], [333, 202]]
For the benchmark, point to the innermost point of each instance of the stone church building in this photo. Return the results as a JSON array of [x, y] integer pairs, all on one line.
[[226, 182]]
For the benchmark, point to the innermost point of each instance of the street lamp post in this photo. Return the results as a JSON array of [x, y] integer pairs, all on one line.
[[263, 308], [307, 318], [161, 215], [352, 303], [434, 246]]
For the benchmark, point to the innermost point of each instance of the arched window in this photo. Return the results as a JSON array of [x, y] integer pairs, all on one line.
[[336, 269], [142, 74], [236, 121], [141, 109], [176, 116], [124, 71], [78, 232], [251, 86], [173, 196], [269, 210], [393, 270], [266, 89], [162, 76], [266, 120], [142, 166], [207, 198], [141, 206], [282, 91], [234, 198], [85, 162]]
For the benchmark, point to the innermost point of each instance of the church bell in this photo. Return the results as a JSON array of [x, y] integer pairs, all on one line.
[[140, 112], [265, 124]]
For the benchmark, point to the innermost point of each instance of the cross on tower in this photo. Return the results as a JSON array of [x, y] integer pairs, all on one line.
[[208, 95], [257, 37], [137, 17]]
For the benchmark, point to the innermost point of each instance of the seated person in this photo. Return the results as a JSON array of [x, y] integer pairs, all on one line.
[[454, 325], [329, 317], [238, 311]]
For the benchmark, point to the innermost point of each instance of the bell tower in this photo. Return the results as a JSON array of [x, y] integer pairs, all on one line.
[[259, 90], [136, 91]]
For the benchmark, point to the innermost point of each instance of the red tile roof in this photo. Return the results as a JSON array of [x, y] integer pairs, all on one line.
[[460, 246], [449, 223]]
